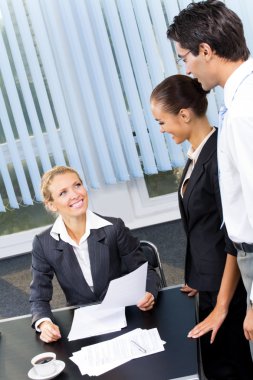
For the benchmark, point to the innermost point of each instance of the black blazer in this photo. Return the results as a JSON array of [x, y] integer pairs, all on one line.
[[201, 212], [113, 252]]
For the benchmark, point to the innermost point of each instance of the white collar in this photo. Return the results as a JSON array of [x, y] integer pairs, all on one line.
[[93, 222], [194, 154], [236, 79]]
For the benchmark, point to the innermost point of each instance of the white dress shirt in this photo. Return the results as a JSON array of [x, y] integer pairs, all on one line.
[[59, 231], [235, 154]]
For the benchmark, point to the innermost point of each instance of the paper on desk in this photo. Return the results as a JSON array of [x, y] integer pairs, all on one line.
[[102, 357], [127, 290], [109, 316], [91, 321], [87, 363]]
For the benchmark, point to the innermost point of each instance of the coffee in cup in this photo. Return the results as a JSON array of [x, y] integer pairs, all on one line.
[[44, 364]]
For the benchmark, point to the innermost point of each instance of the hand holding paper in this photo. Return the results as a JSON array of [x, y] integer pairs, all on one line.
[[109, 316], [127, 290]]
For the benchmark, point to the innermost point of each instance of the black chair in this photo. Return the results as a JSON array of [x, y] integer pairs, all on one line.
[[152, 255]]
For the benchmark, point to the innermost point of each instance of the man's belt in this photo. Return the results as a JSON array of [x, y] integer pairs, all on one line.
[[248, 248]]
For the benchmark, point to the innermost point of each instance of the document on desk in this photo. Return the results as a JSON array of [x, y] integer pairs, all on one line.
[[102, 357], [109, 316], [91, 321]]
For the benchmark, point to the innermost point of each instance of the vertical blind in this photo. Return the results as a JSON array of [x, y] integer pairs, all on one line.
[[76, 77]]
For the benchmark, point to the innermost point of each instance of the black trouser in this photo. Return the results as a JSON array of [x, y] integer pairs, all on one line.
[[229, 357]]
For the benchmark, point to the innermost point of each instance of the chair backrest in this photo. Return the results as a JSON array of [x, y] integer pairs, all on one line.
[[152, 255]]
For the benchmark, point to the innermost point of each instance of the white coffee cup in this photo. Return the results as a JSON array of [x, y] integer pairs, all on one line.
[[44, 364]]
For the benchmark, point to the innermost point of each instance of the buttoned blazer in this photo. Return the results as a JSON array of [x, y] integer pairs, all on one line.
[[113, 252], [201, 213]]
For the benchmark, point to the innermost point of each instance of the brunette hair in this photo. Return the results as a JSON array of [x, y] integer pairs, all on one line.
[[48, 177], [213, 23], [180, 91]]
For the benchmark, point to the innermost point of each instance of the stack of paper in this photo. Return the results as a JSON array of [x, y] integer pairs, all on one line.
[[110, 316], [99, 358]]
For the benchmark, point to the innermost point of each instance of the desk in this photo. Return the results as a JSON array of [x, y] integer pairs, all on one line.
[[174, 316]]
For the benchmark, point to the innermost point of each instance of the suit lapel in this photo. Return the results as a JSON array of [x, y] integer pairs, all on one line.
[[99, 260], [69, 263], [183, 174], [206, 152], [180, 199]]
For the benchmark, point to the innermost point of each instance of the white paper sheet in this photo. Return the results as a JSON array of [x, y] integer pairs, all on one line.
[[109, 316], [127, 290], [92, 321]]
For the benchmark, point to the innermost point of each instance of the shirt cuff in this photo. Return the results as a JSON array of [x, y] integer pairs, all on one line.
[[251, 292], [39, 321]]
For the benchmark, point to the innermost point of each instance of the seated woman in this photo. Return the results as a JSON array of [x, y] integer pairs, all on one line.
[[84, 250]]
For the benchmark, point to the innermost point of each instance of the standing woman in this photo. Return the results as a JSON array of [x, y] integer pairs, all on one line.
[[179, 105], [84, 250]]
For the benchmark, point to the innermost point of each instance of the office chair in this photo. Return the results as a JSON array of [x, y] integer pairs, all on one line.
[[152, 255]]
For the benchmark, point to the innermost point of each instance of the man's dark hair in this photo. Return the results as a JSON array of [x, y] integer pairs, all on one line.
[[213, 23]]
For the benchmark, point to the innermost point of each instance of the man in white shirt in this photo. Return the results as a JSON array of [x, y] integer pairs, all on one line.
[[209, 38]]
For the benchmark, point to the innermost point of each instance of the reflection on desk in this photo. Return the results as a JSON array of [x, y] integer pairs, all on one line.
[[174, 316]]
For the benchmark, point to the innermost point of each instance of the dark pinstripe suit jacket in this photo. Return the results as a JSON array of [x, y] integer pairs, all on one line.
[[113, 252]]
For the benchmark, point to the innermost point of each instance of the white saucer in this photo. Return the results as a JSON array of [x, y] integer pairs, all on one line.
[[60, 365]]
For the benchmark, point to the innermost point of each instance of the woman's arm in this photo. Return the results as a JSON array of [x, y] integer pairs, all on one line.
[[213, 322], [41, 288], [230, 277], [133, 257]]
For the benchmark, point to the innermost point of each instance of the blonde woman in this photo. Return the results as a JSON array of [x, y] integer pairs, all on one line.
[[84, 250]]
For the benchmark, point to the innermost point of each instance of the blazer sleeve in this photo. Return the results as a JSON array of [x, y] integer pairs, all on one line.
[[229, 247], [133, 257], [41, 288]]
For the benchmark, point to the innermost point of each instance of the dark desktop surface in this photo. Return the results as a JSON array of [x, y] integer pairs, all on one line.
[[174, 316]]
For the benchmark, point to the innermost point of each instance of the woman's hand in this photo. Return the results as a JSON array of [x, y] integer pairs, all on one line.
[[49, 332], [147, 302], [211, 323], [248, 325], [190, 291]]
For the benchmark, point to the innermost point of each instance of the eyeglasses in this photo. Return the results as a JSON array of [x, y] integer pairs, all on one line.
[[183, 57]]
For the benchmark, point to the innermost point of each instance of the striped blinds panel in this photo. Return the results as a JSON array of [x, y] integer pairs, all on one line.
[[8, 184], [244, 9], [76, 78]]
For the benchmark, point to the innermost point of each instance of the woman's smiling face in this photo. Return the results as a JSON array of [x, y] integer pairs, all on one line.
[[170, 123], [69, 196]]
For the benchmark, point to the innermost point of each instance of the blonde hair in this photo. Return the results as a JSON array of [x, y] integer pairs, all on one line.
[[48, 177]]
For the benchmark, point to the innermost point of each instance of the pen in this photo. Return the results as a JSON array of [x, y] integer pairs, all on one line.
[[138, 346]]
